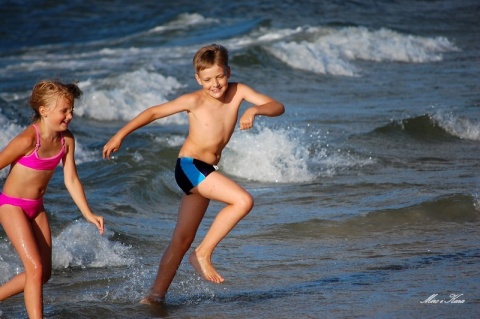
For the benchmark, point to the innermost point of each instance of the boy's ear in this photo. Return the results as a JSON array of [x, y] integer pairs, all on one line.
[[198, 79]]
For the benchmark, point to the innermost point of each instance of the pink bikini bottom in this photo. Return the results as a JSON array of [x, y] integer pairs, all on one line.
[[31, 207]]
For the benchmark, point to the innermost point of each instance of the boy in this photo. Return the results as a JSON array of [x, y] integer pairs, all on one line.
[[212, 113]]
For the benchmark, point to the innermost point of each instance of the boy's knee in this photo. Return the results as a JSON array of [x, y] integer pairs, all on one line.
[[246, 202]]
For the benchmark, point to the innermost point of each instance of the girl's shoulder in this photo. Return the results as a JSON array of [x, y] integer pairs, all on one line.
[[22, 144], [26, 139]]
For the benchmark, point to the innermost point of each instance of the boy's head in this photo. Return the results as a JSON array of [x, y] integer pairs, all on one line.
[[210, 55]]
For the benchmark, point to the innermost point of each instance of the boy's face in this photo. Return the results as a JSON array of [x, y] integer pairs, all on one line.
[[214, 80]]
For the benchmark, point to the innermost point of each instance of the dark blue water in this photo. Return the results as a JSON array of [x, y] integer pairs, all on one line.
[[367, 190]]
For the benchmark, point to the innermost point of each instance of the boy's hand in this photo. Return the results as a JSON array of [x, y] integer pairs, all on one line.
[[112, 146], [247, 119]]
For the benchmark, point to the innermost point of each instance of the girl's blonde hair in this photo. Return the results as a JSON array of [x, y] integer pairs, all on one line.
[[46, 91]]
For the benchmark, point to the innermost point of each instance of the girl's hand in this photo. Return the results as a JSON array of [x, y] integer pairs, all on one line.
[[97, 221]]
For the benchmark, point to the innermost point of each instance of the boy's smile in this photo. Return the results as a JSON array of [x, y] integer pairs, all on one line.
[[214, 80]]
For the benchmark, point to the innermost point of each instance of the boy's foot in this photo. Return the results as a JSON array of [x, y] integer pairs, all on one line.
[[153, 299], [205, 268]]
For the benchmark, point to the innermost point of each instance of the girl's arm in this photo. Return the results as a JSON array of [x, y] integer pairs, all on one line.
[[74, 185]]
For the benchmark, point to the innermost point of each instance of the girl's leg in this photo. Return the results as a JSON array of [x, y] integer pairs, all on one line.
[[43, 238], [190, 214], [41, 230], [19, 230], [239, 203]]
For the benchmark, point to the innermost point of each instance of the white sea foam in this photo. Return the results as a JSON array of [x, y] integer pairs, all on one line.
[[284, 156], [125, 96], [81, 245], [84, 155], [184, 21], [171, 140], [10, 264], [78, 245], [458, 126], [266, 156], [332, 51]]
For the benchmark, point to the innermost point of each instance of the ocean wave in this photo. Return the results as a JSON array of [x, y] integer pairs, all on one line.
[[126, 95], [331, 51], [420, 127], [454, 208], [458, 126], [439, 126], [184, 21]]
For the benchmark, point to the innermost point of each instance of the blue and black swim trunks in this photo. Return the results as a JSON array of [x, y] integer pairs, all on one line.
[[190, 172]]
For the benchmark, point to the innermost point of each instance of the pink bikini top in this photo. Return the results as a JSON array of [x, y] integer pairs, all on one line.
[[34, 162]]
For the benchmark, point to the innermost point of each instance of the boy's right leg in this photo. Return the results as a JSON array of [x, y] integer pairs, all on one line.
[[19, 231], [190, 214]]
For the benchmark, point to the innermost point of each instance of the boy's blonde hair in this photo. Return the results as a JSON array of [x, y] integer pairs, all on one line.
[[210, 55], [44, 92]]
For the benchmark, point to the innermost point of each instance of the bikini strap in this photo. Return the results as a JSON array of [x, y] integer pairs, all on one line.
[[38, 136]]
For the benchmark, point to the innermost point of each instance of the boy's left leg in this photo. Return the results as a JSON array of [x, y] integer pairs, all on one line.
[[238, 204]]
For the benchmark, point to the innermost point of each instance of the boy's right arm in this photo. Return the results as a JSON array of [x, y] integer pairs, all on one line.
[[149, 115], [140, 120]]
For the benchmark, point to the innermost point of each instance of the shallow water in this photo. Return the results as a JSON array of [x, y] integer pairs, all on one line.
[[366, 190]]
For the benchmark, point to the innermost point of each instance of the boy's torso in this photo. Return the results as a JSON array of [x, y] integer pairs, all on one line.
[[211, 124]]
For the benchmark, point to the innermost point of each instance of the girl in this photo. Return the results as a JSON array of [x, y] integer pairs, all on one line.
[[33, 156]]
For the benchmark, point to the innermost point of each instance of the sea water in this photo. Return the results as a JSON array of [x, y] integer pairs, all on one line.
[[366, 189]]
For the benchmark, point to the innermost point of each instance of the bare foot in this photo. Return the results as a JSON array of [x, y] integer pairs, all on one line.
[[153, 299], [205, 268]]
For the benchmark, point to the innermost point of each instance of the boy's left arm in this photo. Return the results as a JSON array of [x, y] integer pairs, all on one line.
[[263, 105], [75, 187]]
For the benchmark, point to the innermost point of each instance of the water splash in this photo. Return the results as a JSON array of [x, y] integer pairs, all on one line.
[[266, 156], [80, 245], [285, 156]]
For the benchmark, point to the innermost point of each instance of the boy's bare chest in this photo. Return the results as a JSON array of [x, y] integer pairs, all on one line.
[[218, 118]]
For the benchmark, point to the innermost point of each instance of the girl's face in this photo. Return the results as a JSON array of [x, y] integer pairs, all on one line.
[[58, 114], [214, 80]]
